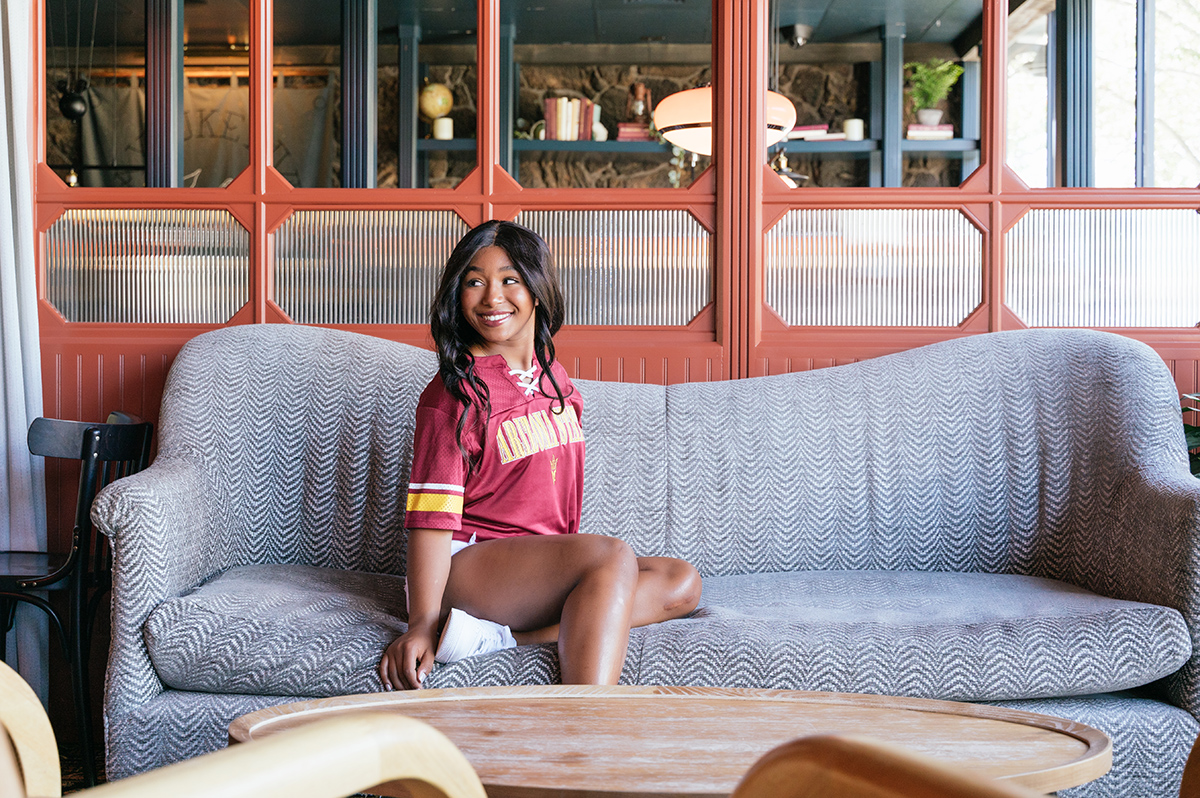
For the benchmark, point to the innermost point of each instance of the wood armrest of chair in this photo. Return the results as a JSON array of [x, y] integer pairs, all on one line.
[[855, 767], [324, 759], [24, 722]]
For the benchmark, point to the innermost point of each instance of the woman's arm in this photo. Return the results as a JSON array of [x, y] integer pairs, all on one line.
[[409, 658]]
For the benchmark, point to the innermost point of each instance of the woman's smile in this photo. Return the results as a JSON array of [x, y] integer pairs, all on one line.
[[496, 319]]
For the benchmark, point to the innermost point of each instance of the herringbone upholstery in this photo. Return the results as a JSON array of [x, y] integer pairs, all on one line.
[[1054, 454], [291, 629]]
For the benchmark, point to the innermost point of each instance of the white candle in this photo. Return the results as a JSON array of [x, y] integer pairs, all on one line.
[[443, 128], [853, 128]]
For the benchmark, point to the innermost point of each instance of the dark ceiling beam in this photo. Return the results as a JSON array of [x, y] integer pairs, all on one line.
[[972, 35]]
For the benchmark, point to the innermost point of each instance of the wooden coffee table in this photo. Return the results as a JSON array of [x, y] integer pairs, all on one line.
[[698, 741]]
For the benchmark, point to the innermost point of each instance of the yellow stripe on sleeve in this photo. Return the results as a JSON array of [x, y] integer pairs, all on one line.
[[435, 503]]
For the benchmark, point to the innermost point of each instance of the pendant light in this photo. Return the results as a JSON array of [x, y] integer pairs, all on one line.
[[685, 119]]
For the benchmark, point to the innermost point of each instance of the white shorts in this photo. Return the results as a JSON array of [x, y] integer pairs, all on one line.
[[458, 545]]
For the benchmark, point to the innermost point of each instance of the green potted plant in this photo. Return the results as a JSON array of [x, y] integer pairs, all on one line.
[[1192, 431], [928, 84]]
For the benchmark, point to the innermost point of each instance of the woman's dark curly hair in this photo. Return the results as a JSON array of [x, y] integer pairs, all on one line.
[[454, 335]]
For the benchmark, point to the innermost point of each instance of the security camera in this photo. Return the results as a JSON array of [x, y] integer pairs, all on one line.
[[797, 35]]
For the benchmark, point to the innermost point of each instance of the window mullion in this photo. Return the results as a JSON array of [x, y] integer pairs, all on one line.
[[360, 48], [1144, 138], [164, 93]]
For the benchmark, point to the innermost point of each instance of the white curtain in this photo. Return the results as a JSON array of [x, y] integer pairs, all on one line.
[[22, 485]]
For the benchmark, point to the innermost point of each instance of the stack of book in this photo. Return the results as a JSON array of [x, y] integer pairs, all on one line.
[[814, 133], [930, 132], [633, 131], [808, 132], [569, 118]]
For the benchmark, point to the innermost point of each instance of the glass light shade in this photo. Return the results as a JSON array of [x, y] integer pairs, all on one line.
[[685, 119], [781, 117]]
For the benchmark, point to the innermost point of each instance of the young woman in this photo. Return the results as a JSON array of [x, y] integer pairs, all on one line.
[[494, 555]]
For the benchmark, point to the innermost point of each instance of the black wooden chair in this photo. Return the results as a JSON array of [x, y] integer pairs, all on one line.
[[107, 452]]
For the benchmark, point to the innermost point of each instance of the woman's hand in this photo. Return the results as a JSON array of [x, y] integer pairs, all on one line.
[[409, 659]]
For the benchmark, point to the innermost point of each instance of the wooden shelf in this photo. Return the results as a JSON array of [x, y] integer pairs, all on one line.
[[436, 145], [527, 145], [837, 145], [948, 146]]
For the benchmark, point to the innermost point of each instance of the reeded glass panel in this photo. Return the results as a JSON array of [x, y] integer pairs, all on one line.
[[1105, 268], [147, 266], [362, 267], [375, 95], [842, 267], [582, 82], [96, 92], [628, 267]]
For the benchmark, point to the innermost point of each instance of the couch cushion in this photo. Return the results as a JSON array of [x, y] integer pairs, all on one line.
[[958, 636], [303, 631], [290, 630]]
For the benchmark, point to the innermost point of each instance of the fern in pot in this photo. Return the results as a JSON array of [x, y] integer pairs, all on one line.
[[1192, 433], [929, 82]]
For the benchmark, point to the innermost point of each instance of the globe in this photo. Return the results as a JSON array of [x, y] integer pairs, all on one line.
[[435, 101]]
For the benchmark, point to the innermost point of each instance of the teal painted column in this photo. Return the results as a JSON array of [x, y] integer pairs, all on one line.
[[893, 103]]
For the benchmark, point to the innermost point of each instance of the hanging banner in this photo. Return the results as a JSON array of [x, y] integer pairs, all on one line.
[[112, 134], [216, 136]]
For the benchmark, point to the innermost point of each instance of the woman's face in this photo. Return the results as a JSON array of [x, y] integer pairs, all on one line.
[[498, 306]]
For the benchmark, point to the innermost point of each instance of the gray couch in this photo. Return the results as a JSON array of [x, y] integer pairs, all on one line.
[[1005, 518]]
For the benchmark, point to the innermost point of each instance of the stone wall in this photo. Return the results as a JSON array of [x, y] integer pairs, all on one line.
[[608, 87], [822, 93]]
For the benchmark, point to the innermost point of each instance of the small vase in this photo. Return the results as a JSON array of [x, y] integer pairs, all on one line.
[[929, 116]]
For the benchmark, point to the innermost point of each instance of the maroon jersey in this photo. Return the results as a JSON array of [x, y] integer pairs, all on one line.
[[530, 478]]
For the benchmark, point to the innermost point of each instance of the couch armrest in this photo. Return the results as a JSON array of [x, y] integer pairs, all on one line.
[[1148, 549], [162, 526]]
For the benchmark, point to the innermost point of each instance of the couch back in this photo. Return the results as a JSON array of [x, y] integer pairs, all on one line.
[[988, 453], [306, 435], [1003, 452]]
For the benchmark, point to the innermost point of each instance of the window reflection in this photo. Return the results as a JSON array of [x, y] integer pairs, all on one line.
[[95, 92], [1028, 147], [216, 93], [585, 77], [852, 72], [1120, 112], [347, 89], [1176, 114]]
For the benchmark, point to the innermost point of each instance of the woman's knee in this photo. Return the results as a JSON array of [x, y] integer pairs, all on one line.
[[686, 585], [612, 555], [676, 583]]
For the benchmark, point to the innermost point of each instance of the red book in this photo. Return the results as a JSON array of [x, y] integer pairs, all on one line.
[[807, 131], [585, 120], [550, 113]]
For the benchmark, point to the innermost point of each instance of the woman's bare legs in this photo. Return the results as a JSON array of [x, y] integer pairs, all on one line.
[[667, 588], [584, 583]]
